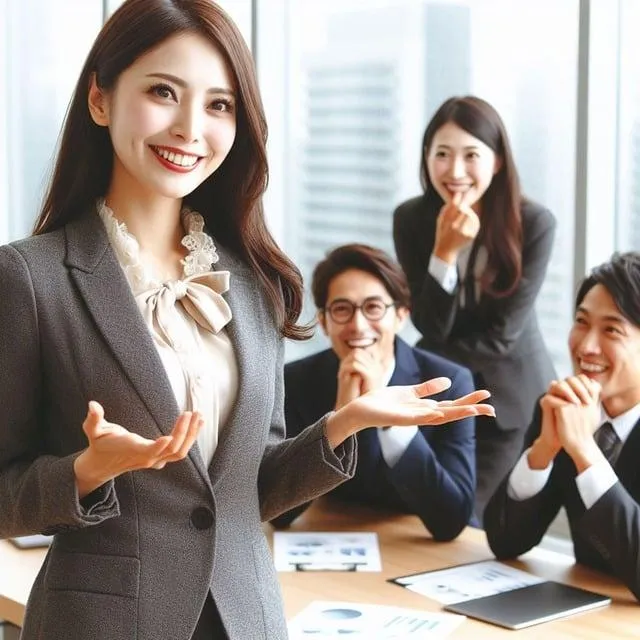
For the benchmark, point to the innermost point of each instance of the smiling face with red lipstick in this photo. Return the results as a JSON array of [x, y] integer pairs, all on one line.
[[171, 117]]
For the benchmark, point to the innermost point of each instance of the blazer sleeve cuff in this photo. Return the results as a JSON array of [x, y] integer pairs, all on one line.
[[344, 457], [98, 503], [93, 509]]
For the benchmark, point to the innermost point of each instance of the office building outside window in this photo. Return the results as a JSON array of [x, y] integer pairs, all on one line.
[[365, 77]]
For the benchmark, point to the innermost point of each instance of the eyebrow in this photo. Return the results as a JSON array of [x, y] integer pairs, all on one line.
[[607, 318], [446, 146], [376, 297], [181, 83]]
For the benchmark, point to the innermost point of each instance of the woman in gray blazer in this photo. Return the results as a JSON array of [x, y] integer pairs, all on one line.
[[475, 252], [123, 302]]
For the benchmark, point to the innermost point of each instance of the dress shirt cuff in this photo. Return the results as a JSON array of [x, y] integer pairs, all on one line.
[[525, 482], [394, 441], [446, 274], [594, 482]]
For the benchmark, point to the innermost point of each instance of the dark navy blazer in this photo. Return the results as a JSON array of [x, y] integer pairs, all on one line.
[[434, 478]]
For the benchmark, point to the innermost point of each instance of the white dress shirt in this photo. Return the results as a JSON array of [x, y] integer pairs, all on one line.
[[394, 440], [592, 483], [186, 321]]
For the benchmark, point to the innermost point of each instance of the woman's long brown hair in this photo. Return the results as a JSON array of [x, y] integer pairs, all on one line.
[[501, 226], [231, 199]]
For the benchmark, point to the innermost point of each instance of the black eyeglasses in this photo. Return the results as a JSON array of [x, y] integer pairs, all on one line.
[[341, 311]]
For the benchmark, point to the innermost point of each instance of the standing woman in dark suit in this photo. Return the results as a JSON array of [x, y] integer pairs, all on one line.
[[475, 252], [121, 301]]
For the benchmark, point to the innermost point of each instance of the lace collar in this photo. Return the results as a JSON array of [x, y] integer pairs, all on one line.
[[202, 252]]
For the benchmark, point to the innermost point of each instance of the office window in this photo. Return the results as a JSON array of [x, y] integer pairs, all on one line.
[[365, 76], [628, 175], [44, 46]]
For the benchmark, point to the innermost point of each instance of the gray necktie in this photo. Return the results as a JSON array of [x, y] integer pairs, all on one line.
[[609, 442]]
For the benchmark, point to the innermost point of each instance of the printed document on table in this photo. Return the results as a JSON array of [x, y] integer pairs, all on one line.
[[467, 581], [328, 620], [307, 551]]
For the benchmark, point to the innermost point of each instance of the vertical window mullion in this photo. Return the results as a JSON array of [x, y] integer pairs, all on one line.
[[596, 143]]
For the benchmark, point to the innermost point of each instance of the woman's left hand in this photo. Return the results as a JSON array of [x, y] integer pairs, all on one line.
[[404, 406]]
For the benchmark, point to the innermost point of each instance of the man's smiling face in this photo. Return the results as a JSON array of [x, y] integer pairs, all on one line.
[[377, 336], [605, 346]]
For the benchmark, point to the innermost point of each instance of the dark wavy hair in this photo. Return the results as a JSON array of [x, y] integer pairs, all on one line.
[[620, 276], [365, 258], [231, 199], [501, 228]]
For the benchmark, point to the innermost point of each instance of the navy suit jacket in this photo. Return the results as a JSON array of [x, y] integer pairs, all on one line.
[[434, 478], [605, 537]]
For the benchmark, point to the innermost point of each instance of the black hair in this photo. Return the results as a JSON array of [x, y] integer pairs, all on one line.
[[620, 276]]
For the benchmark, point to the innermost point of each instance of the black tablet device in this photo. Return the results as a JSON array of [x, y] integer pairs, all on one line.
[[529, 605]]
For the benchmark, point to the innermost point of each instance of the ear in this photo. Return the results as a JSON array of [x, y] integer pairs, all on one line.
[[322, 321], [497, 165], [98, 103], [402, 313]]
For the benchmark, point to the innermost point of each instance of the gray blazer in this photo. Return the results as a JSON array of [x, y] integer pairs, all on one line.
[[499, 340], [136, 558]]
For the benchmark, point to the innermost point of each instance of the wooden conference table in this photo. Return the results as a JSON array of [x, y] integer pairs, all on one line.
[[405, 549]]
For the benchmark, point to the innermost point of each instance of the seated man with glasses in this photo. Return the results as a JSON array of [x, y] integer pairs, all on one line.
[[582, 451], [362, 298]]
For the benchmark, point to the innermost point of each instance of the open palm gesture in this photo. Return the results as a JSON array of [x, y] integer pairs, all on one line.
[[404, 406], [113, 450], [407, 405]]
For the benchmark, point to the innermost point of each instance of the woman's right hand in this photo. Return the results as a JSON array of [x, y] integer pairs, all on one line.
[[113, 450], [456, 227]]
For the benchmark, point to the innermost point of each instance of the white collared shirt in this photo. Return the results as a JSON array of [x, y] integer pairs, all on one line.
[[592, 483], [394, 441]]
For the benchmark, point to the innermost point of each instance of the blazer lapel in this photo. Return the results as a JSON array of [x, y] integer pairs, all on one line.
[[407, 370], [106, 292], [251, 336]]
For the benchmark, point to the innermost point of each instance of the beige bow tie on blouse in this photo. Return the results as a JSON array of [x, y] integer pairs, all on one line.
[[200, 295]]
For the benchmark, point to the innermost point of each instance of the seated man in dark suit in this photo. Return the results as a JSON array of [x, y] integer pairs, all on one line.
[[362, 298], [582, 450]]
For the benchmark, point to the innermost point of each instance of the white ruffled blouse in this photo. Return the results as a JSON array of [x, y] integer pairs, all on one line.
[[186, 319]]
